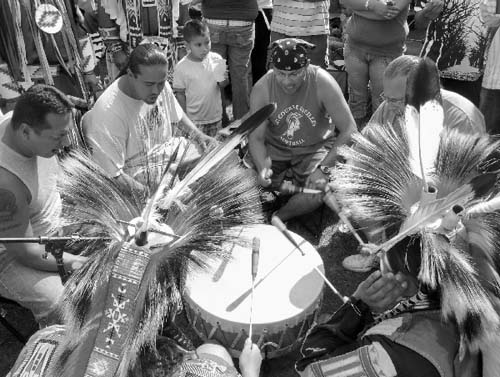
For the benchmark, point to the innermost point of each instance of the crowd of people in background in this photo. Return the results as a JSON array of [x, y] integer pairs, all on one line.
[[89, 52]]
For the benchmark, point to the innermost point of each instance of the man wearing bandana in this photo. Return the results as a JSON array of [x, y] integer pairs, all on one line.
[[301, 137]]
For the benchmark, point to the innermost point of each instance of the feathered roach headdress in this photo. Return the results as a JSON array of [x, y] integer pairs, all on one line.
[[116, 303], [416, 177]]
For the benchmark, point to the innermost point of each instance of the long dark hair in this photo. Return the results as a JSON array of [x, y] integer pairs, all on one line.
[[147, 54]]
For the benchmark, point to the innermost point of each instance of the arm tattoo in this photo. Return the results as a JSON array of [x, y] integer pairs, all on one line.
[[8, 206]]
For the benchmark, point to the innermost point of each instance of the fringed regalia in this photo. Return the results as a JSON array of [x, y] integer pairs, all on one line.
[[31, 55], [124, 24], [418, 179], [115, 305]]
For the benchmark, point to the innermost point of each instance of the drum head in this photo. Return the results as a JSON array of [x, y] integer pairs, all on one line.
[[286, 287]]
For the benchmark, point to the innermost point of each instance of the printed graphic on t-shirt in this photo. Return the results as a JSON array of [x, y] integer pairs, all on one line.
[[294, 120]]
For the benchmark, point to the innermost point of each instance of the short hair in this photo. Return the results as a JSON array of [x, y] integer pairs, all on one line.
[[33, 106], [194, 28], [401, 66], [147, 54]]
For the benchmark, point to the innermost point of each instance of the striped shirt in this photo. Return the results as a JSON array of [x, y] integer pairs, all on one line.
[[298, 18]]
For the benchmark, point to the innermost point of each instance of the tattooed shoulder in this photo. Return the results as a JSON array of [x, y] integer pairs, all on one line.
[[8, 206]]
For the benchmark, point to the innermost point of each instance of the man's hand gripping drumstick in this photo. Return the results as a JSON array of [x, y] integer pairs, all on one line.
[[283, 229], [255, 266], [329, 199]]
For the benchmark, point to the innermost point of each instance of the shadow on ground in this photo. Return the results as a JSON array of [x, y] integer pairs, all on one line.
[[319, 228]]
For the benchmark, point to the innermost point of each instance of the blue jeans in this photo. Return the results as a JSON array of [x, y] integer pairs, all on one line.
[[489, 104], [363, 68], [235, 44]]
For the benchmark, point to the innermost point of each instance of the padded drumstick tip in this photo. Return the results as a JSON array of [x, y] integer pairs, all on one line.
[[290, 189], [276, 221]]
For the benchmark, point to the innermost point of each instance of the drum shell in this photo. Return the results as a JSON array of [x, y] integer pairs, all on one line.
[[274, 339], [297, 299]]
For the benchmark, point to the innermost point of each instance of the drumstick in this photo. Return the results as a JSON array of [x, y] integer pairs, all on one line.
[[248, 292], [289, 188], [276, 221], [255, 266], [329, 199], [331, 202]]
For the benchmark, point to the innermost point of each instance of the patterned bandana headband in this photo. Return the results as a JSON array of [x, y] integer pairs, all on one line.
[[290, 54]]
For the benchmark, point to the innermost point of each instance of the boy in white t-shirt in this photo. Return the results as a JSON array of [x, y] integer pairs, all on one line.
[[198, 79]]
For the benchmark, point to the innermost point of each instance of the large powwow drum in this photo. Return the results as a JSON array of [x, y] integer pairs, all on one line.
[[286, 298]]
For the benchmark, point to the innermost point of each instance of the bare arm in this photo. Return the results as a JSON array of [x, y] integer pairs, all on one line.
[[336, 106], [111, 160], [181, 98], [376, 9], [431, 11], [15, 223], [188, 126], [256, 140]]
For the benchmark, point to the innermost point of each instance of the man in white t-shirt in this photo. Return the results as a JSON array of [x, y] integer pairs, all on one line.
[[115, 126]]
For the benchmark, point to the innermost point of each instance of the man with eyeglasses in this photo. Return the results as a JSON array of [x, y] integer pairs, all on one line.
[[298, 140], [459, 113]]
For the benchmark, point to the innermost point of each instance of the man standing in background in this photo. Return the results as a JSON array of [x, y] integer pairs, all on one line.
[[307, 20], [232, 30]]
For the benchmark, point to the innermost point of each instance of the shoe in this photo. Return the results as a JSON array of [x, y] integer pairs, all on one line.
[[361, 262], [175, 333]]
